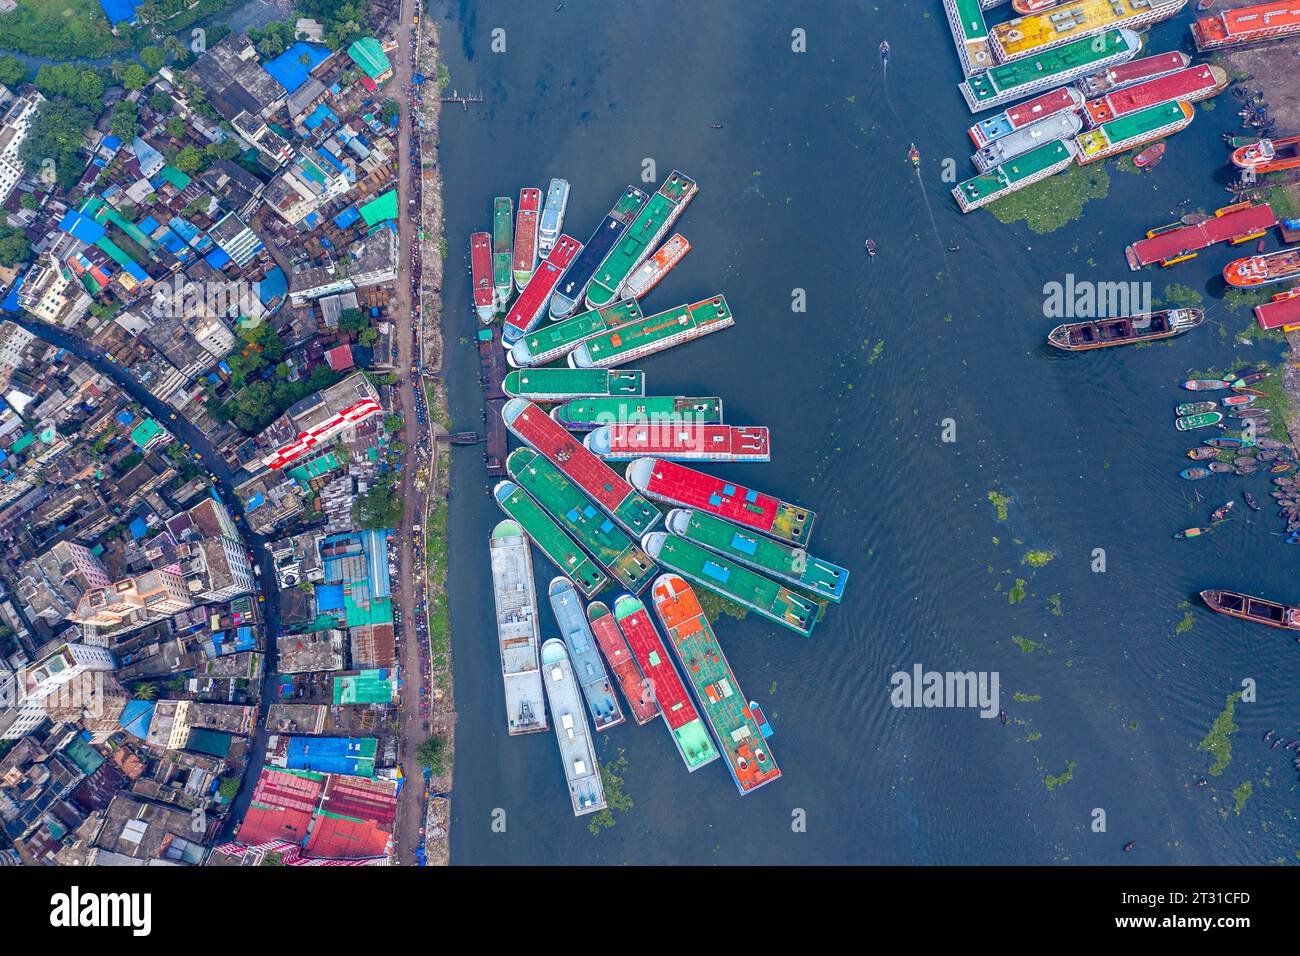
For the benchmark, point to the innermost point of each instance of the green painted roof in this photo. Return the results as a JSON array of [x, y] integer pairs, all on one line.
[[547, 384], [368, 53], [972, 19], [146, 432], [215, 743], [1033, 69], [367, 687], [556, 543], [174, 176], [380, 209], [1018, 169]]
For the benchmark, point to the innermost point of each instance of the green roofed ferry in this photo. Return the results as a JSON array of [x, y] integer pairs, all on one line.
[[584, 414], [1035, 165], [1128, 132], [649, 227], [653, 334], [562, 384], [503, 250], [1020, 78], [558, 339], [553, 540]]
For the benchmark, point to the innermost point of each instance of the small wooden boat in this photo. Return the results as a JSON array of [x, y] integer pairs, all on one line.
[[1244, 462], [1254, 609], [1268, 454], [1227, 443], [1250, 370], [1243, 390], [1283, 482], [1150, 156], [1203, 5], [1280, 468], [1195, 408], [1251, 503], [1221, 468], [1194, 474], [1206, 385], [1236, 142], [1263, 428], [1203, 420], [1125, 330], [1221, 512], [1195, 218], [1270, 443], [1202, 453], [914, 156], [1232, 401], [1192, 532], [1246, 413]]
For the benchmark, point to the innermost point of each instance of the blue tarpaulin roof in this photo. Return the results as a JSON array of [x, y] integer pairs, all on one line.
[[136, 717], [111, 142], [217, 258], [138, 528], [288, 68], [329, 597], [81, 227], [347, 217], [273, 285], [319, 115], [119, 11]]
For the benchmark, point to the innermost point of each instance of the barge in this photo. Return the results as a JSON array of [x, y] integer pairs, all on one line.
[[1124, 330], [680, 441], [653, 334], [572, 734], [516, 613], [602, 702], [640, 695], [550, 538], [1253, 609], [574, 284], [1235, 224]]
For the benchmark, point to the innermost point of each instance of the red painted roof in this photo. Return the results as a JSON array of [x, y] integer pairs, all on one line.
[[1242, 22], [566, 453], [1189, 82], [342, 839], [1274, 315], [1175, 242], [1050, 103], [669, 690], [532, 300], [361, 798], [726, 499], [340, 358], [1146, 66]]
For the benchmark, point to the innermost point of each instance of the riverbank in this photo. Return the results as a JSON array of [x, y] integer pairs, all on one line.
[[437, 611]]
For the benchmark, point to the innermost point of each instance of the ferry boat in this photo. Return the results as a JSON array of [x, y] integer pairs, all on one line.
[[1140, 70], [525, 260], [640, 695], [1268, 155], [1263, 270], [651, 225], [731, 580], [1136, 129], [653, 334], [683, 487], [1035, 165], [1058, 127], [583, 414], [574, 284], [529, 308], [970, 33], [596, 479], [552, 220], [572, 733], [1063, 99], [1257, 610], [562, 384], [774, 558], [1190, 85], [550, 538], [503, 249], [1177, 242], [1280, 312], [680, 442], [480, 264], [1039, 32], [602, 702], [689, 734], [1026, 7], [1125, 330], [1244, 25], [1013, 81], [558, 339], [717, 691], [647, 276], [613, 550], [516, 610]]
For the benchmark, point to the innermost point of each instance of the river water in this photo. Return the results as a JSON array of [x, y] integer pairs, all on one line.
[[811, 160]]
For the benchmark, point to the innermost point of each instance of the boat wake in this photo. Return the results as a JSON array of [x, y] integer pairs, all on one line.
[[934, 223]]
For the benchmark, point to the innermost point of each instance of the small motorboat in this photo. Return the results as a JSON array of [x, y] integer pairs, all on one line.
[[1232, 401], [1202, 453], [1221, 513], [1254, 609], [914, 156], [1150, 156], [1202, 5], [884, 51], [715, 126], [871, 248], [1251, 503], [1206, 385], [1130, 845], [1195, 408], [1203, 420], [1192, 532], [1280, 468], [1228, 443], [1194, 474], [1268, 454]]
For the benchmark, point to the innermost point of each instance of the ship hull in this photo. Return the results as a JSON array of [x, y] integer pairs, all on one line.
[[602, 702], [572, 733], [558, 339], [1253, 609], [636, 689], [652, 271], [516, 615], [653, 334], [1099, 143], [680, 442], [552, 540], [563, 384], [529, 308], [1254, 271], [503, 250], [1125, 330], [551, 223], [480, 259], [525, 256], [570, 292]]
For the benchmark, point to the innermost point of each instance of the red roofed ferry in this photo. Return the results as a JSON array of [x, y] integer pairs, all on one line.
[[480, 264], [531, 304], [525, 259], [680, 441]]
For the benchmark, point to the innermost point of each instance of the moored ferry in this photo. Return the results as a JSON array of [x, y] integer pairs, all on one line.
[[572, 733], [1243, 25], [622, 663], [1012, 81], [650, 226], [574, 285], [584, 414], [1134, 71], [503, 249], [525, 258], [584, 655], [733, 581], [516, 616], [550, 538], [597, 480], [1033, 166], [653, 334], [1026, 7], [1063, 99], [529, 308], [480, 265], [613, 550], [1190, 85], [677, 441], [775, 558], [648, 274], [1264, 269], [1058, 127], [1136, 129], [557, 339], [970, 33], [675, 484], [1125, 330], [707, 670], [1268, 155], [1177, 242], [681, 718], [1039, 32], [562, 384], [552, 220]]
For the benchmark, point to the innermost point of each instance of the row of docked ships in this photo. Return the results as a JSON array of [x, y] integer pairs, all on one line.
[[562, 388], [1116, 102]]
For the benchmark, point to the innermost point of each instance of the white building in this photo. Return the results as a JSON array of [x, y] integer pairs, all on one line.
[[13, 131], [37, 683]]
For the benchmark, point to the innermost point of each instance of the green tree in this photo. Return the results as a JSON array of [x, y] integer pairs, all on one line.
[[57, 133], [124, 122], [160, 102], [143, 690], [14, 247], [153, 57], [189, 159], [134, 77], [13, 71], [379, 508], [431, 754], [393, 423]]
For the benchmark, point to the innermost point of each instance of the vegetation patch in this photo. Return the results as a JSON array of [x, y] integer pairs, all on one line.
[[1037, 559], [1017, 593], [1026, 645], [1054, 602], [1058, 780], [1185, 625], [715, 605], [1056, 201], [1000, 503], [616, 798], [1218, 741], [1023, 698], [1241, 795]]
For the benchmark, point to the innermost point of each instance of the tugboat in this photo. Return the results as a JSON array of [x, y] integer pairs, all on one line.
[[1248, 608], [914, 156], [1268, 155]]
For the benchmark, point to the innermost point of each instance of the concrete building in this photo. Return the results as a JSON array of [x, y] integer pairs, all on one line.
[[14, 127], [51, 677], [146, 597]]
